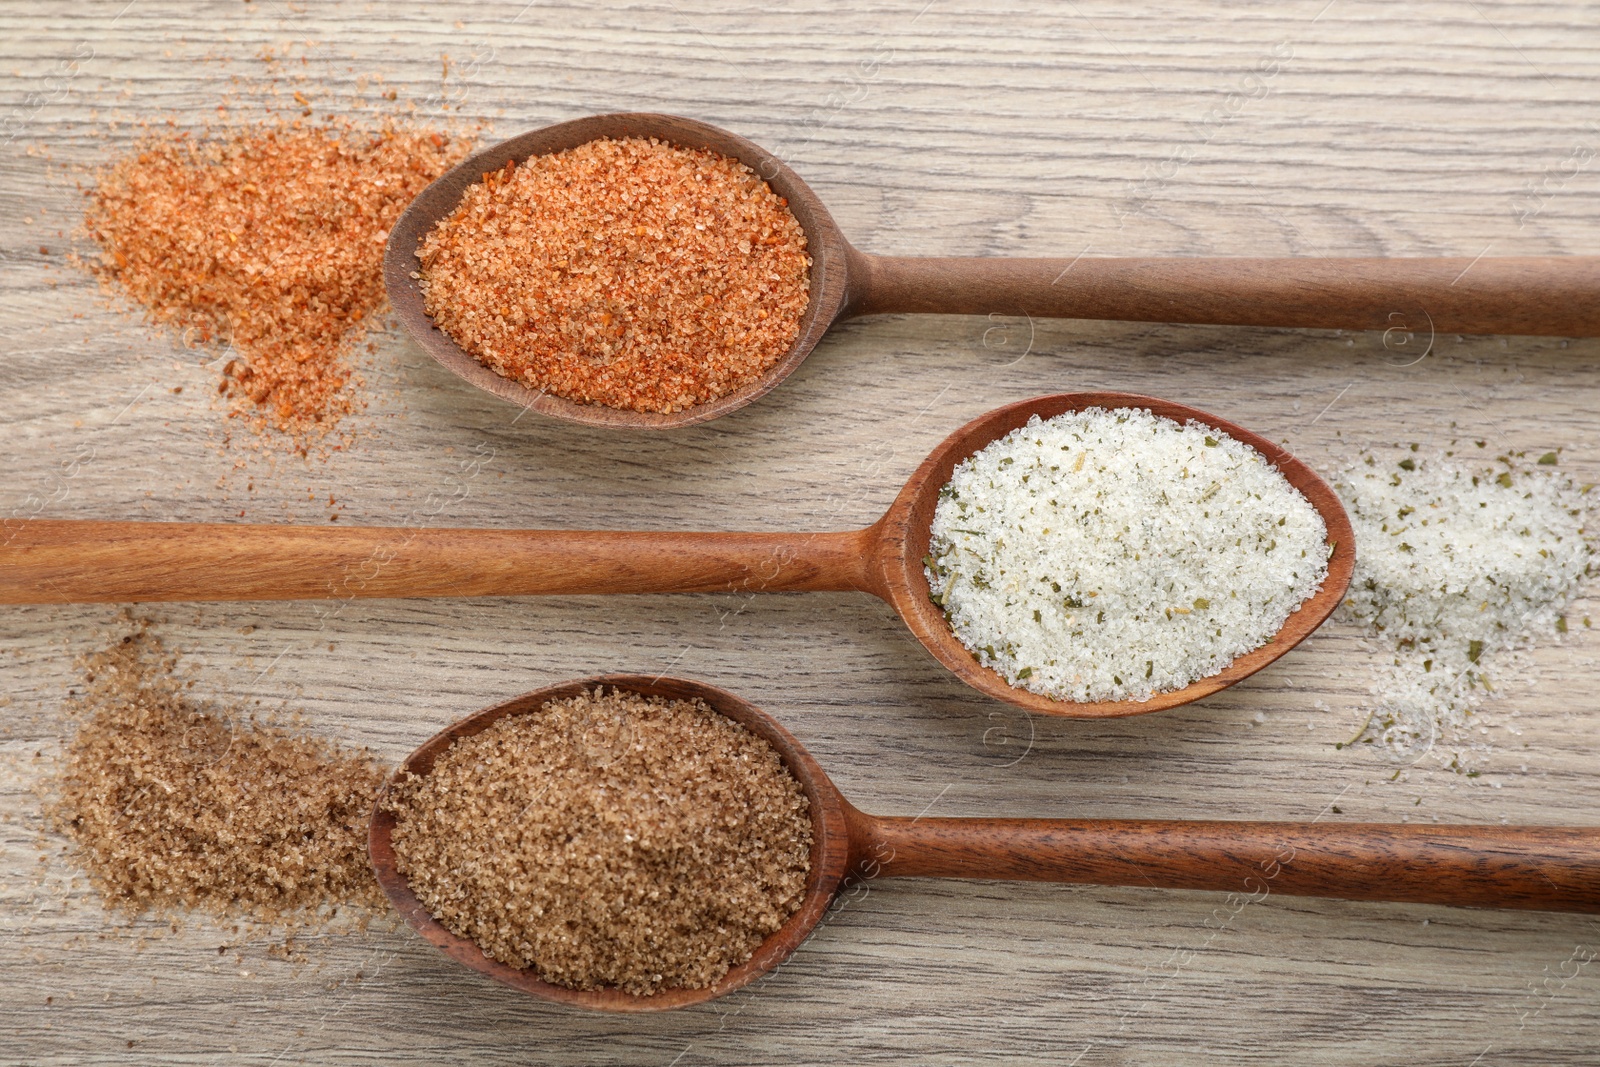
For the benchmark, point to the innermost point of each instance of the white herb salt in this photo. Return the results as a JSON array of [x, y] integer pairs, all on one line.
[[1457, 565], [1115, 554]]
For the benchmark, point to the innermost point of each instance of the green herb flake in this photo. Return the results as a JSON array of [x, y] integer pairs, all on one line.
[[1026, 672], [1212, 442], [1408, 464], [1548, 459], [1201, 603], [1474, 650], [1503, 480]]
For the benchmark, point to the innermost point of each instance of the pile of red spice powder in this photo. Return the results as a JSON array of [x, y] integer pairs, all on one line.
[[268, 243], [629, 273]]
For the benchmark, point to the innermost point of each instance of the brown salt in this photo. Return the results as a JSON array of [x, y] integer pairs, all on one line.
[[629, 273], [172, 803], [269, 242], [609, 839]]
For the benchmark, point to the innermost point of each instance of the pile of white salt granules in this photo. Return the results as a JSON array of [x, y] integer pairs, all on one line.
[[1462, 559], [1115, 554]]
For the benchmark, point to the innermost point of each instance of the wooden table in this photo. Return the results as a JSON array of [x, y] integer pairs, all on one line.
[[1312, 128]]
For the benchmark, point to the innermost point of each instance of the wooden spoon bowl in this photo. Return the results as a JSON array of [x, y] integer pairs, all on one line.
[[57, 561], [1542, 868], [830, 845], [903, 536], [1550, 295], [826, 246]]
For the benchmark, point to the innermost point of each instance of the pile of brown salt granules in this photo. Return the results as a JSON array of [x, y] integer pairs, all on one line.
[[172, 803], [610, 839], [628, 273], [267, 242]]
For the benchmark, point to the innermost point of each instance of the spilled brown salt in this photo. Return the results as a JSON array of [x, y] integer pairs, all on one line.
[[173, 803]]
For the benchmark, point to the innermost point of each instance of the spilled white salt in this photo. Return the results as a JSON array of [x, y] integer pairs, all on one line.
[[1458, 565], [1115, 554]]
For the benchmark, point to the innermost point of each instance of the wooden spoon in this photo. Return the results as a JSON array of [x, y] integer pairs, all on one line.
[[1541, 295], [63, 561], [1537, 868]]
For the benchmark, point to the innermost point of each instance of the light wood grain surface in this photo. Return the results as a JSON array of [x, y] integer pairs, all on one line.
[[949, 127]]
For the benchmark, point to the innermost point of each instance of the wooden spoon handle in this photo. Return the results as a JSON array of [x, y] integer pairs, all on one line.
[[1541, 295], [1541, 868], [45, 561]]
